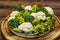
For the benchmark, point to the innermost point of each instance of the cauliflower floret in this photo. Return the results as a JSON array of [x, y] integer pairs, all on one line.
[[25, 27], [10, 18], [14, 13], [33, 14], [50, 10], [40, 15], [28, 8]]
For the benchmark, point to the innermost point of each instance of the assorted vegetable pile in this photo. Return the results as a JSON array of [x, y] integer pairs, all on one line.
[[31, 19]]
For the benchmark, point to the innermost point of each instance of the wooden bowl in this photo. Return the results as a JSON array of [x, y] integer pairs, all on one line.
[[49, 35]]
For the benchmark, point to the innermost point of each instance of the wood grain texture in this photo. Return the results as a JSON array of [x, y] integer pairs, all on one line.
[[11, 4], [30, 0], [7, 6]]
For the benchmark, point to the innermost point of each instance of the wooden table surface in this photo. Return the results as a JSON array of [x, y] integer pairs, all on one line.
[[6, 6]]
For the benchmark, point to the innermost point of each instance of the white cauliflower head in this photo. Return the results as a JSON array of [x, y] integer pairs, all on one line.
[[28, 8], [33, 14], [14, 13], [40, 15], [25, 27], [50, 10]]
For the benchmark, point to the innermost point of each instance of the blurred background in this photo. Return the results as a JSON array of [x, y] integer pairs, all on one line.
[[6, 6]]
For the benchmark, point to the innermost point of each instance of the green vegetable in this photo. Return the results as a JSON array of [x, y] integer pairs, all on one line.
[[29, 18], [35, 8], [48, 18], [26, 13], [53, 20], [38, 29], [49, 23], [21, 13], [15, 29], [35, 21], [20, 19], [41, 27], [44, 10], [20, 8], [13, 23]]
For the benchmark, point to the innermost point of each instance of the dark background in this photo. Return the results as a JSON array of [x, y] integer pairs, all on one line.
[[6, 6]]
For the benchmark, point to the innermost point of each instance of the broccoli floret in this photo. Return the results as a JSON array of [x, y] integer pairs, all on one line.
[[18, 15], [21, 13], [15, 29], [20, 19], [49, 24], [13, 23], [53, 20], [38, 29], [26, 13], [48, 18], [29, 18], [20, 8], [35, 8], [44, 10], [52, 24], [35, 21], [46, 26]]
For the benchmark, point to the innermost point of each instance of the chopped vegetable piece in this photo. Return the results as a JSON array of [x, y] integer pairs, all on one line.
[[29, 18], [13, 23], [20, 8], [15, 29], [38, 29], [35, 8], [35, 21], [20, 19]]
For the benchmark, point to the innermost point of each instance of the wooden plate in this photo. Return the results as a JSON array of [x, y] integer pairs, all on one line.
[[50, 36]]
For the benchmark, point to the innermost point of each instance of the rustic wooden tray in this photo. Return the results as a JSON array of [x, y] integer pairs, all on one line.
[[10, 36]]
